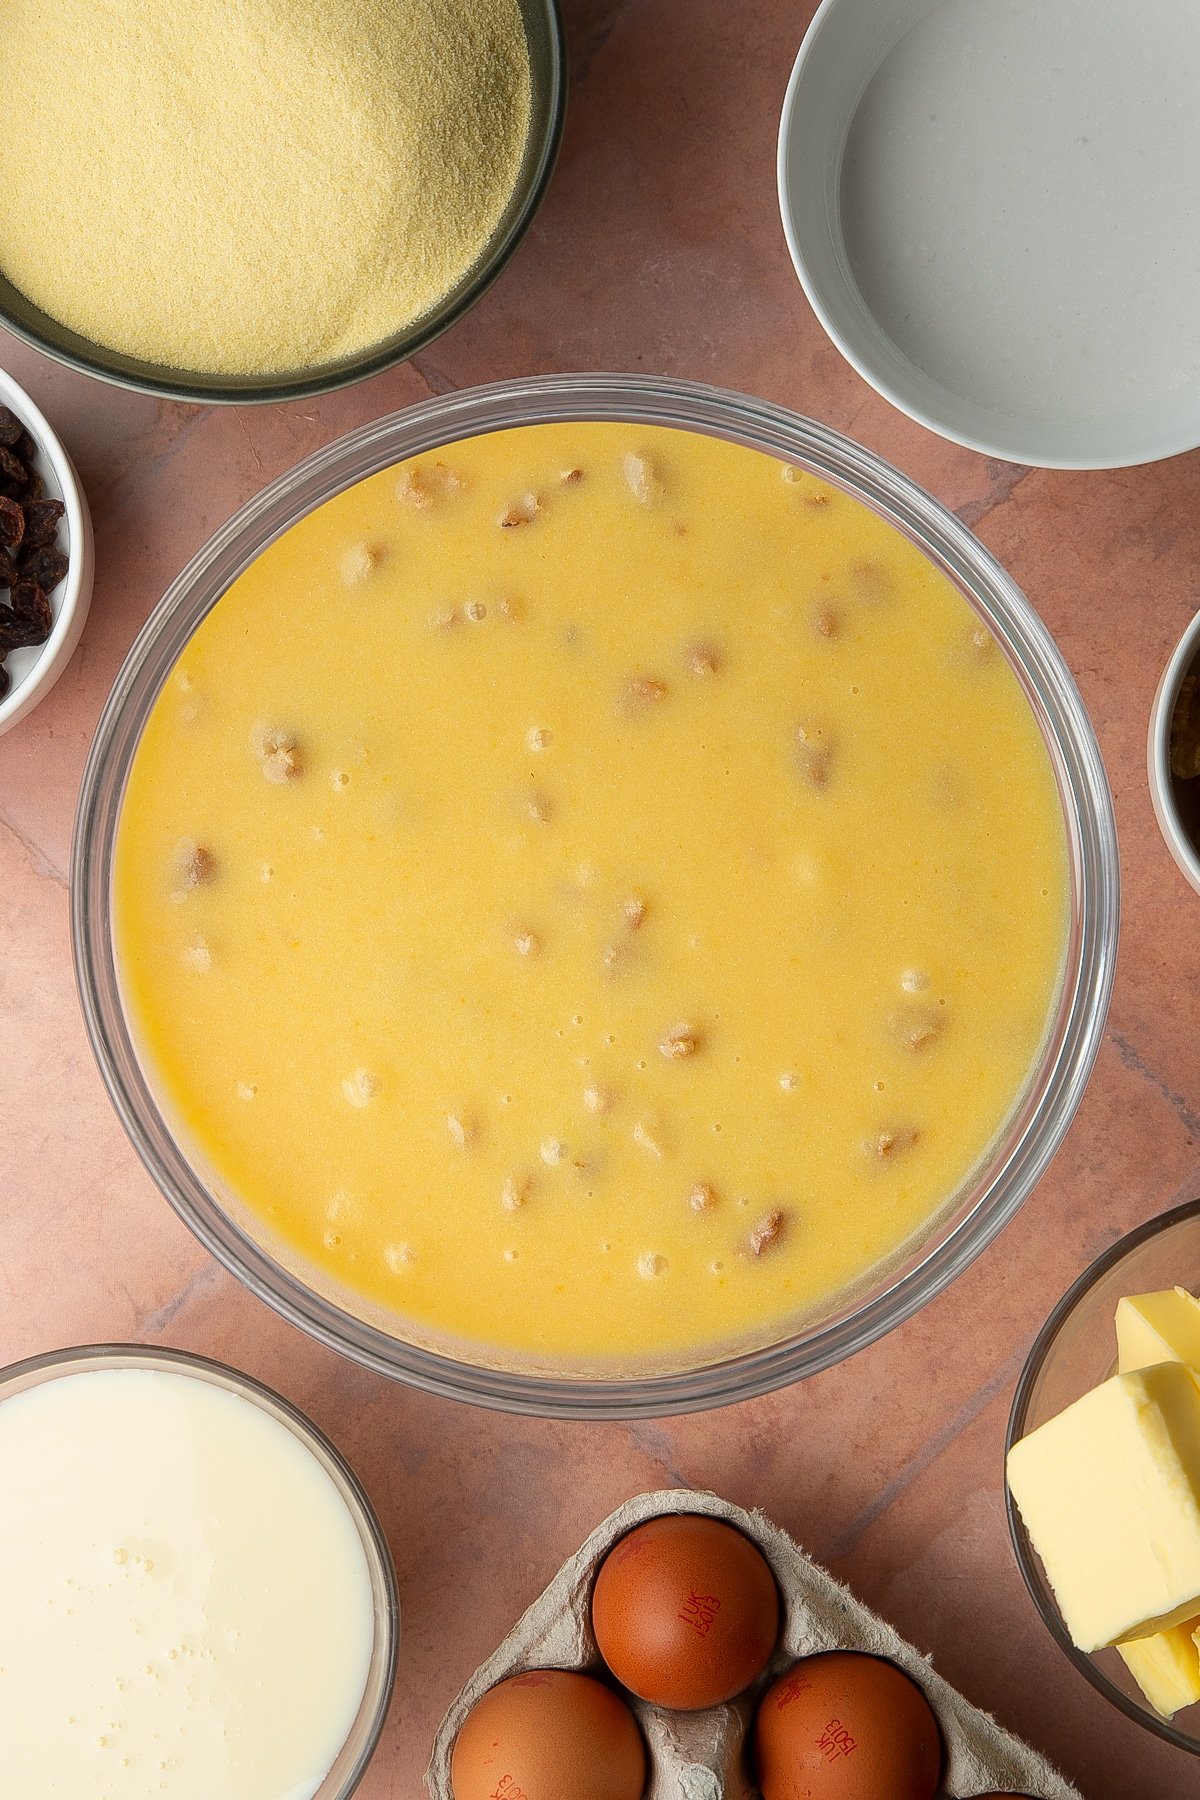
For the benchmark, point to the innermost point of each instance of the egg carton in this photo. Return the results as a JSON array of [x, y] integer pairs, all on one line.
[[703, 1755]]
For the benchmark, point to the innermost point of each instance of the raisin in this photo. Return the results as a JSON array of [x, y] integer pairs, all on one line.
[[917, 1026], [815, 753], [768, 1233], [46, 565], [642, 478], [680, 1041], [32, 607], [41, 521], [641, 693], [1185, 731], [892, 1141], [18, 633], [194, 867], [31, 563], [523, 511], [12, 524]]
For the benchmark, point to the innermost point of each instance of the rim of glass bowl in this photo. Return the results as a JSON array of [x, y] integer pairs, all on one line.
[[351, 1762], [1023, 1550], [1036, 1127], [546, 39]]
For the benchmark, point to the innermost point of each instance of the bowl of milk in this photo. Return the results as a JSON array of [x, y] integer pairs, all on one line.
[[198, 1598], [991, 207]]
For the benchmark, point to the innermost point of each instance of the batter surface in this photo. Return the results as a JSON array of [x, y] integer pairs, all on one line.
[[594, 891]]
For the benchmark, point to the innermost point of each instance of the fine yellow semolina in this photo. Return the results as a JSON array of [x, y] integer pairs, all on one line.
[[253, 186], [591, 892]]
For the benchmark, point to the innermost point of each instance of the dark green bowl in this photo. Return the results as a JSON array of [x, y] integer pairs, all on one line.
[[548, 101]]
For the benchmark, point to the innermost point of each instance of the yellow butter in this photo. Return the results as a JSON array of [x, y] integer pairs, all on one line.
[[1167, 1667], [1155, 1328], [1110, 1494]]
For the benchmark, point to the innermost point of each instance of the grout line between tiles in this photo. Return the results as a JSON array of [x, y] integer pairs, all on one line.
[[435, 379], [929, 1453], [198, 1282], [39, 862], [653, 1441], [583, 55], [974, 512], [1136, 1064], [111, 494]]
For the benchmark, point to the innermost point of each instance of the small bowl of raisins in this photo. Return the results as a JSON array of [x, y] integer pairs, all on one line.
[[46, 555], [1173, 754]]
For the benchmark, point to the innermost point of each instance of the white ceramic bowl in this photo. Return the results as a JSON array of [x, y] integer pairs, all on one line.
[[1180, 843], [992, 235], [34, 672]]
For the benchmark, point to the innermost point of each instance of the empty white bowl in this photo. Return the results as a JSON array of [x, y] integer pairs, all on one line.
[[35, 671], [993, 212], [1183, 845]]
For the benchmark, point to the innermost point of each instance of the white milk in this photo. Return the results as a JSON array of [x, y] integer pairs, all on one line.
[[1019, 202], [185, 1603]]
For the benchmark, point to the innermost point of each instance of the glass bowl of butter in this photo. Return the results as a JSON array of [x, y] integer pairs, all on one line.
[[1104, 1475], [595, 896]]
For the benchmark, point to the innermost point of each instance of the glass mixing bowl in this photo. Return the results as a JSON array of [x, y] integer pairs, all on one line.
[[1074, 1352], [548, 105], [970, 1219], [350, 1764]]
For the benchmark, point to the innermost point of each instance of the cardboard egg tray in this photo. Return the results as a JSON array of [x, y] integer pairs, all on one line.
[[703, 1755]]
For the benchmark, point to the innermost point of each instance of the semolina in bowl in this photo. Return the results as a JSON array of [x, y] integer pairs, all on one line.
[[269, 201]]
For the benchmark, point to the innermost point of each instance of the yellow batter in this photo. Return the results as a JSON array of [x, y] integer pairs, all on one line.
[[594, 891]]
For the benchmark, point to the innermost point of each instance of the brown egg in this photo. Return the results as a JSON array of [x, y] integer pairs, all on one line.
[[549, 1734], [843, 1726], [685, 1611]]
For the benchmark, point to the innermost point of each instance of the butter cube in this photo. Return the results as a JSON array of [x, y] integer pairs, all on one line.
[[1155, 1328], [1167, 1667], [1110, 1495]]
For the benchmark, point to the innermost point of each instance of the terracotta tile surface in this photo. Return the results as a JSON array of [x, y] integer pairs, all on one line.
[[659, 249]]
